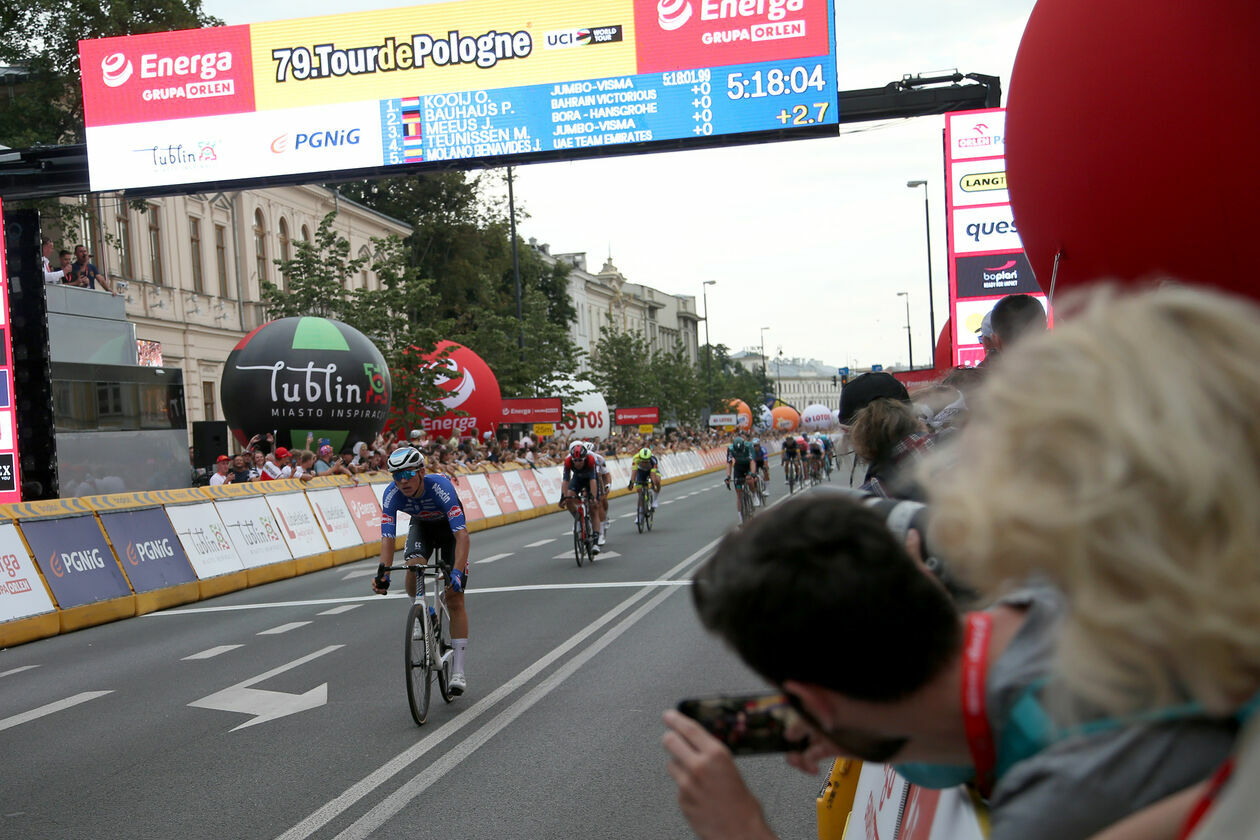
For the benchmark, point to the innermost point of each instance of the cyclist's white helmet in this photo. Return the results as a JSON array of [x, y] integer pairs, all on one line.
[[578, 449], [405, 458], [573, 446]]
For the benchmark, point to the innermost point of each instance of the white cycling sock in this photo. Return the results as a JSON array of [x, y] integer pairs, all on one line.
[[457, 663], [656, 494]]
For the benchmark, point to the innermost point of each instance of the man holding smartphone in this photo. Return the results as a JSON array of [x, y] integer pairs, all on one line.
[[897, 698]]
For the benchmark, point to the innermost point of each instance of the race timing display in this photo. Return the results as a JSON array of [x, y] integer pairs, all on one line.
[[464, 81]]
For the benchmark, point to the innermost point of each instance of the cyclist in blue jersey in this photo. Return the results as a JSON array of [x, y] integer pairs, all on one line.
[[437, 519]]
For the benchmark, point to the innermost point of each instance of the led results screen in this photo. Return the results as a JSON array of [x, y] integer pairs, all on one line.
[[450, 82]]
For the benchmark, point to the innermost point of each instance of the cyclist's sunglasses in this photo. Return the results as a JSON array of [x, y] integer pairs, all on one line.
[[403, 475]]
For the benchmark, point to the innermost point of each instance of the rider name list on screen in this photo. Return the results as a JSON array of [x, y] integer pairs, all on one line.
[[471, 80]]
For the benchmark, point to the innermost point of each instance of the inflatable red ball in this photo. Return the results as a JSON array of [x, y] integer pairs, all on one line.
[[1131, 143]]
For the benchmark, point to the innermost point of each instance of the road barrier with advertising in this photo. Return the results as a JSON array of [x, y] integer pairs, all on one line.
[[867, 801], [66, 564]]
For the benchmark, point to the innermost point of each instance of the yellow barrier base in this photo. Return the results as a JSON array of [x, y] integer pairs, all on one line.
[[160, 599], [315, 562], [347, 555], [102, 612], [223, 584], [835, 802], [23, 630], [274, 571]]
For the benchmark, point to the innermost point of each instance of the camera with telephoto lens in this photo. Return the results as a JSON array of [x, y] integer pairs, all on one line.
[[902, 515]]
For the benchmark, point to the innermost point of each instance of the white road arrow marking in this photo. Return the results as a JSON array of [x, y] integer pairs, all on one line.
[[267, 705], [210, 653], [493, 557]]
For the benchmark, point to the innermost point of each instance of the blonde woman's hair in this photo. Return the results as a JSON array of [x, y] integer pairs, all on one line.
[[1120, 457], [879, 426]]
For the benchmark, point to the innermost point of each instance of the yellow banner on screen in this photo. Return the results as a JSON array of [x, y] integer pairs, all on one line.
[[440, 48]]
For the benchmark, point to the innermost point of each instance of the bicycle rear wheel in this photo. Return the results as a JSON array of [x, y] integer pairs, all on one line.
[[419, 685], [591, 536]]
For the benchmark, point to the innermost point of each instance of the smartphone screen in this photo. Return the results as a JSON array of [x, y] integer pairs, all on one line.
[[748, 724]]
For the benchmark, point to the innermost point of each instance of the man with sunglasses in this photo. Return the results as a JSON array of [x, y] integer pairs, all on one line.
[[437, 520], [874, 654]]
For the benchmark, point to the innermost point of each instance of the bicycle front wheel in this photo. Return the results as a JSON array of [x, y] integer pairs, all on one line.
[[641, 519], [579, 541], [745, 505], [419, 685]]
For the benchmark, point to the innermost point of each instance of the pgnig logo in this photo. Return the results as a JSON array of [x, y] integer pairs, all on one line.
[[672, 14], [315, 140], [115, 69]]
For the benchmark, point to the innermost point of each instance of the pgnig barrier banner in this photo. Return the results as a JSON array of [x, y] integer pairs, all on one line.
[[76, 561], [148, 548]]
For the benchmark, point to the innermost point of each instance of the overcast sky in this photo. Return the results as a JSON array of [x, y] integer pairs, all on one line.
[[811, 238]]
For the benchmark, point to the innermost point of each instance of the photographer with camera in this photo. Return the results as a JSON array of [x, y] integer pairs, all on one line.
[[822, 567]]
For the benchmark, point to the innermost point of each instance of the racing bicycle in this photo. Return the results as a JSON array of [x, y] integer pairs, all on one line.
[[428, 651], [744, 498], [792, 471], [644, 514], [584, 535]]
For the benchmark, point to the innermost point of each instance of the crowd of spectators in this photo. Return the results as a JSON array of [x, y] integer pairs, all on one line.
[[74, 269]]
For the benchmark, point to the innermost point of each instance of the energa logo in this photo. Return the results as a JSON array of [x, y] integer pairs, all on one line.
[[672, 14]]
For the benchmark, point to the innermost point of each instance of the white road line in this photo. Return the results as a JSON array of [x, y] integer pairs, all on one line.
[[540, 542], [493, 557], [603, 555], [394, 803], [17, 670], [340, 610], [669, 501], [34, 714], [284, 628], [359, 573], [211, 652]]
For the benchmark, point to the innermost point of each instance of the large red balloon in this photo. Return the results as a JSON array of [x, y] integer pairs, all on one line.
[[472, 389], [1131, 139]]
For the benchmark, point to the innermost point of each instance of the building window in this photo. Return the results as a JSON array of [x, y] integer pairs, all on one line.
[[194, 241], [220, 260], [306, 234], [365, 274], [207, 399], [123, 235], [155, 242], [285, 254], [260, 248]]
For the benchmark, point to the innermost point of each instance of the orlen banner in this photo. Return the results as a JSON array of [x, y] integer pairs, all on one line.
[[22, 593], [471, 389], [471, 80], [76, 561], [298, 375], [986, 257], [148, 548]]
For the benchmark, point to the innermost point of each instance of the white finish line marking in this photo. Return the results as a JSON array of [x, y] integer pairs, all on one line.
[[211, 652], [34, 714], [493, 557], [540, 542], [283, 628], [17, 670], [391, 805], [339, 610], [603, 555]]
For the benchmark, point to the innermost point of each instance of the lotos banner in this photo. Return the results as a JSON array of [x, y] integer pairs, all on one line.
[[148, 548], [76, 561]]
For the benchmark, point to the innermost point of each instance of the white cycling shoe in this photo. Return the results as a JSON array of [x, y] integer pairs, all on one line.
[[459, 683], [602, 539]]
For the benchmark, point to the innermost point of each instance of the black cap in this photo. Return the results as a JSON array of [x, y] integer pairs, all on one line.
[[867, 387]]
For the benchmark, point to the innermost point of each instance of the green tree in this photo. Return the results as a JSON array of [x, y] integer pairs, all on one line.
[[730, 379], [42, 36], [680, 391], [621, 366]]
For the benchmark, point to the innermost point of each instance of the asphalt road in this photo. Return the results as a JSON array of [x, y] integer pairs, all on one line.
[[162, 726]]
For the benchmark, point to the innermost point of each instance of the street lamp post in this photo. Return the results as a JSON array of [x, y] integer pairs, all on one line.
[[909, 339], [765, 382], [516, 267], [927, 229], [708, 349]]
